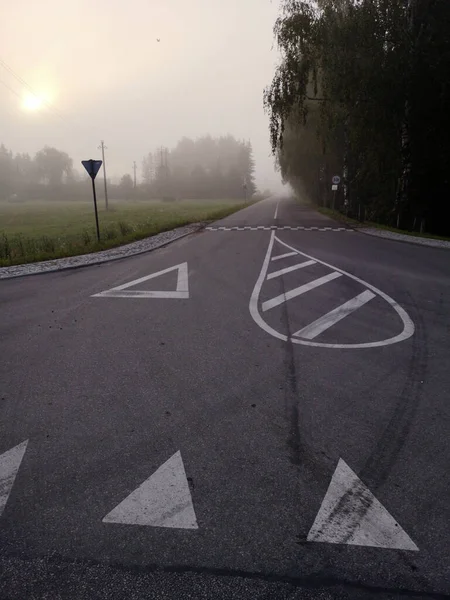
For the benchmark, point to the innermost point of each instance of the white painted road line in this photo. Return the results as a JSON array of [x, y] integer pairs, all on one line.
[[408, 325], [269, 227], [276, 210], [256, 314], [300, 290], [302, 265], [163, 500], [280, 256], [350, 514], [181, 292], [143, 294], [334, 316], [9, 465], [253, 304]]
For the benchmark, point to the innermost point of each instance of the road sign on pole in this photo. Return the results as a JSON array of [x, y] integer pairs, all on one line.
[[336, 180], [93, 167]]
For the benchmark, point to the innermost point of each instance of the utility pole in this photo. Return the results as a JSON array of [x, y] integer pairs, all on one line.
[[134, 169], [151, 167], [102, 147]]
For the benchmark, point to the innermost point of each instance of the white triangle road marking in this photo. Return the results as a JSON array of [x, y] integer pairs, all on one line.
[[350, 514], [163, 500], [9, 466], [122, 291]]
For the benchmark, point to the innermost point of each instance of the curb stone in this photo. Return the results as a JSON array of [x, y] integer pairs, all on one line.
[[401, 237], [103, 256]]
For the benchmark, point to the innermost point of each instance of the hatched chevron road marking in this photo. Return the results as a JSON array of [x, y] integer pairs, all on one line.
[[309, 334], [314, 329], [299, 290], [302, 265]]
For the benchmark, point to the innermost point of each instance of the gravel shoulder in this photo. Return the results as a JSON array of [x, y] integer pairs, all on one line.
[[401, 237], [83, 260]]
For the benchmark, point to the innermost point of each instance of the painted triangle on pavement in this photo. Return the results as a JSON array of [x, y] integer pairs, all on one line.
[[350, 514], [279, 251], [122, 291], [163, 500], [9, 465]]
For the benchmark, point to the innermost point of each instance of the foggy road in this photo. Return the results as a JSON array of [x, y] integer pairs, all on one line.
[[258, 410]]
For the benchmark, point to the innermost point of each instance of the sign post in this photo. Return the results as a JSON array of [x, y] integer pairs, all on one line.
[[334, 188], [93, 167]]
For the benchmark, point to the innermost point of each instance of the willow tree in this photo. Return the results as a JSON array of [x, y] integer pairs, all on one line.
[[346, 57]]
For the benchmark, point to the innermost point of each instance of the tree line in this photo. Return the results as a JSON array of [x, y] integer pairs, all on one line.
[[363, 92], [204, 168], [23, 175]]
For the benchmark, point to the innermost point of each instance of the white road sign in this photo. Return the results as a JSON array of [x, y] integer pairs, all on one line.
[[336, 180]]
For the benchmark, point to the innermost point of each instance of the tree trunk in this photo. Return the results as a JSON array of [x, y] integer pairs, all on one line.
[[404, 187]]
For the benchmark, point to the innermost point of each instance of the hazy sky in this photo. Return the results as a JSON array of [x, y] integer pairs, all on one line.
[[98, 62]]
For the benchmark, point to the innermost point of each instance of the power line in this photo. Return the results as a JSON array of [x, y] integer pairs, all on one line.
[[11, 89], [30, 89]]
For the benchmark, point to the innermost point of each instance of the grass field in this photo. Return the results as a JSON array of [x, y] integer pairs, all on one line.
[[39, 230]]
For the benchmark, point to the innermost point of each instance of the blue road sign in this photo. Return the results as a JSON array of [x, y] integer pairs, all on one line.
[[92, 167]]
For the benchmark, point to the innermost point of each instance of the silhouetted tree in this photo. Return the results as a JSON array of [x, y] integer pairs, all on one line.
[[363, 91], [52, 165], [148, 168], [126, 183], [207, 168]]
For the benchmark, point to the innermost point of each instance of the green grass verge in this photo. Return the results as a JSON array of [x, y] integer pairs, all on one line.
[[337, 216], [40, 230], [334, 214]]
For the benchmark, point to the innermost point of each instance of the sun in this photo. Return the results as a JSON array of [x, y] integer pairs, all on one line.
[[32, 102]]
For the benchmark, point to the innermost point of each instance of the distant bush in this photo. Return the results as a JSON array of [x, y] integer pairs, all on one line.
[[169, 199]]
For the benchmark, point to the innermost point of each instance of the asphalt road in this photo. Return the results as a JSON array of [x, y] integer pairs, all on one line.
[[278, 430]]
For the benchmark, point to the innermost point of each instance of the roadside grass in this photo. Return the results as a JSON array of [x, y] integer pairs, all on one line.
[[338, 216], [40, 230], [334, 214]]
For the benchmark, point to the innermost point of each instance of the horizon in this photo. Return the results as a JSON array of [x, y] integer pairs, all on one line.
[[140, 93]]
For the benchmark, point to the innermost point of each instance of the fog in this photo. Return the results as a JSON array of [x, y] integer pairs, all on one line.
[[103, 75]]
